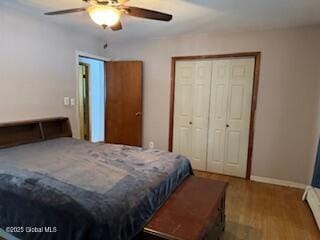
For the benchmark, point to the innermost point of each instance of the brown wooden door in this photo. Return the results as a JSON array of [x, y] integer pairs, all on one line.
[[124, 102]]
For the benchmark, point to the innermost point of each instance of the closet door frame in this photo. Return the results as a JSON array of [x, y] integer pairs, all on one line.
[[257, 57]]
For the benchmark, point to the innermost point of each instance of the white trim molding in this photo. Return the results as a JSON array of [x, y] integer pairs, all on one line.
[[312, 196], [278, 182], [89, 55]]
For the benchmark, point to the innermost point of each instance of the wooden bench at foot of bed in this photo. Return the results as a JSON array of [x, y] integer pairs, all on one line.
[[196, 210]]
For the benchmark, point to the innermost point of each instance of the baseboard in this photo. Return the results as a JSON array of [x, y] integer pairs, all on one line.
[[278, 182]]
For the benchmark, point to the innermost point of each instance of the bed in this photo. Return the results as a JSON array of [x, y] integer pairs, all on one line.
[[55, 187]]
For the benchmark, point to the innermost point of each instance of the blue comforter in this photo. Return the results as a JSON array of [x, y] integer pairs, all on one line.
[[71, 189]]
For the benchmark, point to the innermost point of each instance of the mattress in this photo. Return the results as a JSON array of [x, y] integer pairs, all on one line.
[[71, 189]]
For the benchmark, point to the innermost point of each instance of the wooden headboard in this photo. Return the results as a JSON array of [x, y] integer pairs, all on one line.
[[23, 132]]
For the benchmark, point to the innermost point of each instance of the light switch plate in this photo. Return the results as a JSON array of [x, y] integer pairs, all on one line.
[[66, 101], [72, 102]]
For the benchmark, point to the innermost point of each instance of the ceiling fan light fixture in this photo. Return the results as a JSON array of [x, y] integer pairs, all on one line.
[[104, 15]]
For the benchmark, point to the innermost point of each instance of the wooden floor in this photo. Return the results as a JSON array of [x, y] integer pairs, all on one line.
[[256, 211]]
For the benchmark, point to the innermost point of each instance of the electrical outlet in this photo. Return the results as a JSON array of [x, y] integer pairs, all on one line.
[[151, 144]]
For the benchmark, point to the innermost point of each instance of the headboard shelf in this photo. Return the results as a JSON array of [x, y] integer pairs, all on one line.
[[23, 132]]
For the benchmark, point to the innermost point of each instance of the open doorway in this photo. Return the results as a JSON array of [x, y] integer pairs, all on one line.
[[109, 99], [84, 101], [91, 82]]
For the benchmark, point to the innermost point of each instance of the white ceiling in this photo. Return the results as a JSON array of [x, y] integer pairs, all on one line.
[[189, 16]]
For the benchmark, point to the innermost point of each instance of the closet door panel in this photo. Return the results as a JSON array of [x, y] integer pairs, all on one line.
[[218, 115], [238, 116], [199, 121], [184, 137], [183, 106], [233, 147]]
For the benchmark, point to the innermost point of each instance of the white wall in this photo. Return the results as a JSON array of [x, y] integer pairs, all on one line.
[[38, 66], [317, 131], [284, 142], [96, 98]]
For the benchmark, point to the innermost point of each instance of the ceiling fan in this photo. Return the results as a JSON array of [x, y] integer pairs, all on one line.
[[108, 13]]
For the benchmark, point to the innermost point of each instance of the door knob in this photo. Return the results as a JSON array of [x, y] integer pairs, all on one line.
[[190, 123], [227, 125], [138, 114]]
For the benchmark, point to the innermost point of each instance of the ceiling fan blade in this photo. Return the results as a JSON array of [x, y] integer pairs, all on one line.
[[74, 10], [117, 27], [146, 13]]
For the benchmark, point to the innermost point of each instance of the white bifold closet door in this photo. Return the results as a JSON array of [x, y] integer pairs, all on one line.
[[212, 113], [230, 111], [191, 110]]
